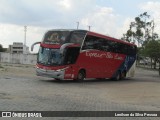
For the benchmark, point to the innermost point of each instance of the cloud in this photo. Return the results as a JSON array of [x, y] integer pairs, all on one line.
[[27, 12], [40, 16], [65, 3], [154, 10], [124, 27], [54, 13], [101, 19], [14, 33], [43, 12]]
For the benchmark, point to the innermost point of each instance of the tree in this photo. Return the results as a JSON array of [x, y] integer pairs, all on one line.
[[140, 30], [129, 34], [152, 50]]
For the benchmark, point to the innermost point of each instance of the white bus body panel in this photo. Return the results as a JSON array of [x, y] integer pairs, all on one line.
[[131, 72]]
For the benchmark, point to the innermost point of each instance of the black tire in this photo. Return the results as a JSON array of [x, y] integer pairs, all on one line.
[[118, 77], [123, 75], [81, 75]]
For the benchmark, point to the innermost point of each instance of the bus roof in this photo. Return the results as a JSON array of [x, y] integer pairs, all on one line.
[[67, 30], [109, 38], [95, 34]]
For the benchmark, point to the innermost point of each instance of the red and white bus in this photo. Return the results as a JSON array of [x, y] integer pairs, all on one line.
[[80, 54]]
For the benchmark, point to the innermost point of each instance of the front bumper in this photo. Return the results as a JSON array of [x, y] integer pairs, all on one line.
[[58, 74]]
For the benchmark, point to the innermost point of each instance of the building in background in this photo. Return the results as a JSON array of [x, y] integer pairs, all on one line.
[[18, 47], [18, 53]]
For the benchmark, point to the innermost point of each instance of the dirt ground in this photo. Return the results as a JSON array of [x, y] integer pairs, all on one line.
[[142, 90]]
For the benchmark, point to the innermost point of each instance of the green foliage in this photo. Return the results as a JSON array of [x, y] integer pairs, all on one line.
[[152, 49], [140, 30]]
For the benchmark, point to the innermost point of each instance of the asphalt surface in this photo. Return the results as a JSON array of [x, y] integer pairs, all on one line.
[[22, 90]]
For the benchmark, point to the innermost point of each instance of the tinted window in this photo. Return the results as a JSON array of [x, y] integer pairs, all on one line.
[[132, 50], [77, 37], [92, 42], [71, 55]]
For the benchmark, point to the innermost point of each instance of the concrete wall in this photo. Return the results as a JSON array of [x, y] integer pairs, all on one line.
[[18, 58]]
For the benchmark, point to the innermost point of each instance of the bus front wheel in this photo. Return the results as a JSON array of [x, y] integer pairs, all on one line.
[[81, 75]]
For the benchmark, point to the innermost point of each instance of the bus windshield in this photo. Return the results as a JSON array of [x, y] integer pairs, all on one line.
[[62, 37], [48, 56]]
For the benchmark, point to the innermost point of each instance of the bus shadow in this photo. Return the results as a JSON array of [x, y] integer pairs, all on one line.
[[86, 81]]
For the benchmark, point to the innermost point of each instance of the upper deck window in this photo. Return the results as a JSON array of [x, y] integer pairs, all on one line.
[[77, 37], [56, 37], [62, 37]]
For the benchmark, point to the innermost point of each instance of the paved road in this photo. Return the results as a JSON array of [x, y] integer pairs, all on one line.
[[22, 90]]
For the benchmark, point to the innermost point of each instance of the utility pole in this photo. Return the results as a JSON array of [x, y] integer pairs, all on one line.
[[25, 31], [89, 27], [77, 25]]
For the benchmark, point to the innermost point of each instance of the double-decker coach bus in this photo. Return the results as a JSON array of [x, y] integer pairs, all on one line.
[[80, 54]]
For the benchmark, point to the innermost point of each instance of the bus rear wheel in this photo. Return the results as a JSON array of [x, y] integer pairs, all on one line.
[[81, 75], [123, 76], [118, 77]]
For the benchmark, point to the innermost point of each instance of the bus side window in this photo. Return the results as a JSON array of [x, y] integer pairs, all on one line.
[[111, 46], [125, 50], [131, 50], [121, 48], [101, 44], [92, 42], [88, 43], [105, 45], [71, 55]]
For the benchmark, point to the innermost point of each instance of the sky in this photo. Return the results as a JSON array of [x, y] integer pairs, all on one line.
[[109, 17]]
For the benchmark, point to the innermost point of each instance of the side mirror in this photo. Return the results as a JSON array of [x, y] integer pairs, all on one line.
[[64, 46], [32, 47]]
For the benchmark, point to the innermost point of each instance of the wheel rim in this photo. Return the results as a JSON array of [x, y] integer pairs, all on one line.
[[124, 75], [118, 77], [80, 76]]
